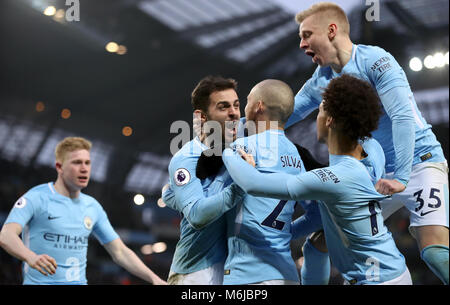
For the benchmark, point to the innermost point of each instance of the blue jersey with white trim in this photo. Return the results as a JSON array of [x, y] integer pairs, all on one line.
[[360, 245], [259, 229], [401, 125], [198, 247], [311, 221], [59, 226]]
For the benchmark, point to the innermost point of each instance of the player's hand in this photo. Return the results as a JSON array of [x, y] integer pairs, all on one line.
[[247, 157], [43, 263], [389, 187]]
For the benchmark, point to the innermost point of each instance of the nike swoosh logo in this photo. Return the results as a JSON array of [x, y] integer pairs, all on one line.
[[423, 214], [51, 217]]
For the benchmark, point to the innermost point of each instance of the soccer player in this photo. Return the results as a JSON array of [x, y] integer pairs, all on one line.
[[359, 243], [56, 219], [259, 229], [203, 199], [417, 172]]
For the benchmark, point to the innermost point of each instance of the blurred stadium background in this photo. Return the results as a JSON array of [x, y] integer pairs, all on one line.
[[122, 74]]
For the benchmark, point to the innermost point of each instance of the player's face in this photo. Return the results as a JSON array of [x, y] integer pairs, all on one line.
[[75, 170], [321, 124], [224, 107], [314, 40]]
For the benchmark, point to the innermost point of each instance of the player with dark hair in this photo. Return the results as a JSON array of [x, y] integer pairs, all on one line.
[[259, 253], [202, 199], [360, 245], [417, 172]]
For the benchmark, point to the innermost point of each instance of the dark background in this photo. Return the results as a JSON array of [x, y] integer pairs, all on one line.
[[65, 65]]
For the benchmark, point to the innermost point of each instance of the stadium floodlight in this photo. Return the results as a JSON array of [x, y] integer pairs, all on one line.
[[146, 249], [415, 64], [139, 199], [49, 11], [59, 15], [121, 50], [439, 59], [159, 247], [112, 47], [429, 62]]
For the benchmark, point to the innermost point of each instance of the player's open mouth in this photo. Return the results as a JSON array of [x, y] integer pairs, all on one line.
[[83, 178], [312, 54], [233, 127]]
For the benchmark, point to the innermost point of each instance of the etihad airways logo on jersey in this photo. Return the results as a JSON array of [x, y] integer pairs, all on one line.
[[67, 241]]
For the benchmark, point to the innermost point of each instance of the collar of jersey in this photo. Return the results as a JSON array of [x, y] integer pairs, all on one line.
[[56, 194], [200, 144], [277, 131], [335, 159], [273, 131]]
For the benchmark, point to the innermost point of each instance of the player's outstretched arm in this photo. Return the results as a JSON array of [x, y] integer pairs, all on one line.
[[126, 258], [305, 186], [396, 102], [206, 210], [11, 242], [251, 180]]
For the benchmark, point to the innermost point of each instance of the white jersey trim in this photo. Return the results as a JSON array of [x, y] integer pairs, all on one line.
[[354, 52], [50, 186], [416, 116]]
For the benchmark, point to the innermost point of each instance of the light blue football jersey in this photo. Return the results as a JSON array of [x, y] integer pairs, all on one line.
[[359, 244], [59, 226], [401, 119], [198, 247], [311, 221], [259, 229]]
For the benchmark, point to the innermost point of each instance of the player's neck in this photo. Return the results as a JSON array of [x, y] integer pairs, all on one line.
[[342, 145], [343, 55], [64, 190], [264, 124]]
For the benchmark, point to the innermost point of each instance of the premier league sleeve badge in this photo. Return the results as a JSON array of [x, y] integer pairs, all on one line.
[[182, 176]]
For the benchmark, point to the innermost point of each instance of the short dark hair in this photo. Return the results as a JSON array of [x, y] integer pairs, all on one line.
[[354, 105], [206, 86]]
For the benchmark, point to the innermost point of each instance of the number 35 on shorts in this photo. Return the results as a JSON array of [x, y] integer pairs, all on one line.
[[431, 200]]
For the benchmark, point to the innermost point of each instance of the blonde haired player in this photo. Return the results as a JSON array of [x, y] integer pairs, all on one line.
[[417, 172], [56, 219]]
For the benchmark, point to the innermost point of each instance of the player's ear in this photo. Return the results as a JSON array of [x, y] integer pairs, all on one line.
[[58, 166], [260, 107], [329, 122], [332, 31], [200, 114]]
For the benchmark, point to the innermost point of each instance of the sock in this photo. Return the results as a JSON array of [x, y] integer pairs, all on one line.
[[316, 266], [436, 258]]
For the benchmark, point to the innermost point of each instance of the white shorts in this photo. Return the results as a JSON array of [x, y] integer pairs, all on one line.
[[276, 282], [403, 279], [210, 276], [426, 196]]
